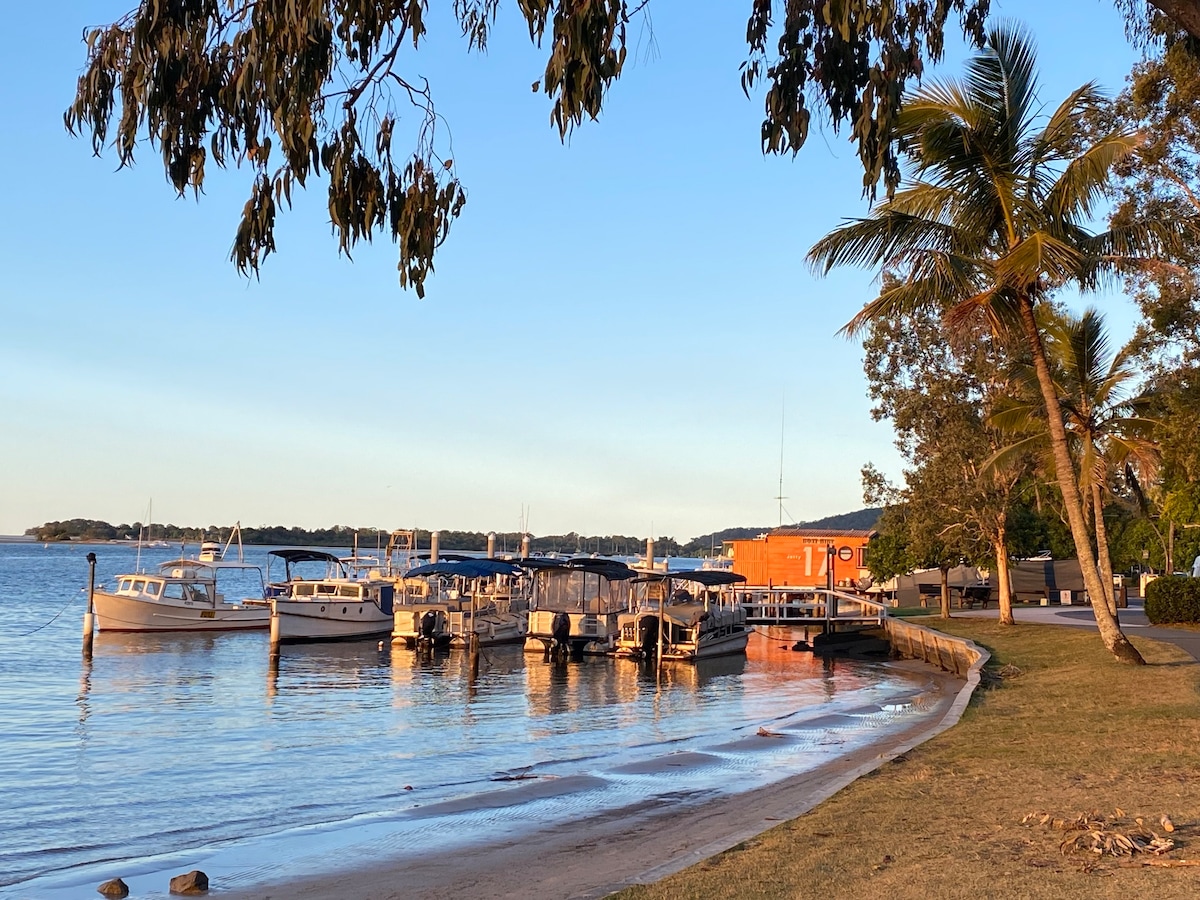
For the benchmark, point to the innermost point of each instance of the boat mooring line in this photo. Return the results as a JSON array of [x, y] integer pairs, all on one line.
[[51, 622]]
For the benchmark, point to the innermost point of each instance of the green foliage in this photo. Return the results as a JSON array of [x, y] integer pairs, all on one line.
[[856, 58], [888, 554], [1173, 598], [81, 529], [317, 87], [297, 90], [938, 391]]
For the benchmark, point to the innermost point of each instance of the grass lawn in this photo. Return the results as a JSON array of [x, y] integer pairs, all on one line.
[[1059, 729]]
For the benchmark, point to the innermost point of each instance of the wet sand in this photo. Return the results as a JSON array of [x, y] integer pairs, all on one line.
[[597, 855]]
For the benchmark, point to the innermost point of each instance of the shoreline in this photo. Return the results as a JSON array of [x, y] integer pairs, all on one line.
[[598, 855]]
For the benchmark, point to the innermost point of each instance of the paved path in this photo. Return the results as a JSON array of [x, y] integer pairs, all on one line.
[[1133, 622]]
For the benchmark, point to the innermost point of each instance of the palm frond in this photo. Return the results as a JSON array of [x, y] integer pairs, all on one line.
[[1085, 180], [1007, 455], [879, 241], [1004, 79], [1039, 255], [1057, 139]]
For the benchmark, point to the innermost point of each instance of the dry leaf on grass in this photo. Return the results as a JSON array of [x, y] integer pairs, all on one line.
[[1105, 836]]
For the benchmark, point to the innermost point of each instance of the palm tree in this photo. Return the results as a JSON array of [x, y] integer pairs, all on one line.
[[992, 221], [1106, 426]]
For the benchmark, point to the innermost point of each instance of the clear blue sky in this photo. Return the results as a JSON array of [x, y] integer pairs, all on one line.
[[612, 332]]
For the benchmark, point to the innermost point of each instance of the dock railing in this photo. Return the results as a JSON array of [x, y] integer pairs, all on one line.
[[807, 606]]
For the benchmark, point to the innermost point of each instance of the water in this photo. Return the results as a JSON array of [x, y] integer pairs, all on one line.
[[169, 749]]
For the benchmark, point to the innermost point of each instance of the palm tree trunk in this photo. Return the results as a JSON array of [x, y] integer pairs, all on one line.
[[1102, 554], [945, 598], [1110, 631], [1003, 583]]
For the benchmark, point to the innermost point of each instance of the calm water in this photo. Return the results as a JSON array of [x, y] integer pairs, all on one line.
[[168, 752]]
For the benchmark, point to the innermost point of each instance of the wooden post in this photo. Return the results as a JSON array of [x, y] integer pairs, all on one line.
[[274, 642], [89, 617], [473, 641]]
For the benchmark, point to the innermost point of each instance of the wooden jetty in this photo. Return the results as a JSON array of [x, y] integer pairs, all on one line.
[[808, 607]]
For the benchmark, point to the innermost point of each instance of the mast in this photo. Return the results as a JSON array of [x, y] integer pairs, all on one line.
[[782, 423]]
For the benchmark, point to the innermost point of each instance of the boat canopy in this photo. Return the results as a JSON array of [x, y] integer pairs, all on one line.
[[296, 555], [706, 577], [609, 568], [466, 568]]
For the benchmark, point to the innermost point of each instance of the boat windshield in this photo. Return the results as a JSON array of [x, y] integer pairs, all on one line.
[[327, 589], [191, 592], [580, 591]]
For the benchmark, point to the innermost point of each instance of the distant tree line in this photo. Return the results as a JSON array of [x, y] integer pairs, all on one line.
[[344, 536], [371, 538]]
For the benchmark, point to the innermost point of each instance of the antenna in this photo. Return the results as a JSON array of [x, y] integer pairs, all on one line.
[[782, 422]]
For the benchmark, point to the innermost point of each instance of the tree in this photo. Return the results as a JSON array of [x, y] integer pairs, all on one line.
[[316, 87], [992, 222], [938, 390], [1162, 101], [1109, 433]]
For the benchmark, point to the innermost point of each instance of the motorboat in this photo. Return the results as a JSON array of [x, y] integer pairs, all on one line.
[[184, 596], [686, 615], [332, 609], [576, 604], [445, 603]]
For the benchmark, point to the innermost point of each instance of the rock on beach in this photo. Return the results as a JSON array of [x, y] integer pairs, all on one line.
[[193, 882]]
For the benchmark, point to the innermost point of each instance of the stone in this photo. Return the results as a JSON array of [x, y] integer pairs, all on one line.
[[114, 888], [193, 882]]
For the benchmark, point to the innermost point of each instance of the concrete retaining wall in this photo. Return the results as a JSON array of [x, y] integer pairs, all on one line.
[[952, 654]]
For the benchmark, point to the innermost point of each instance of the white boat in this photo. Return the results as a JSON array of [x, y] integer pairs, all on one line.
[[685, 616], [444, 603], [576, 604], [335, 607], [182, 596]]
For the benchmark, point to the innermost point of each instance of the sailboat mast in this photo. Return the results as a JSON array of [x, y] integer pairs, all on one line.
[[782, 424]]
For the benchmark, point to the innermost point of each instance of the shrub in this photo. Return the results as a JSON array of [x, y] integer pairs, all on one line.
[[1173, 598]]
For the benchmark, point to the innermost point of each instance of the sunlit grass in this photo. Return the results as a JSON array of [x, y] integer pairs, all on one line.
[[1062, 728]]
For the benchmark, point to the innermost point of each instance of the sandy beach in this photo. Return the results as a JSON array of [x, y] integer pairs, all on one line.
[[597, 855]]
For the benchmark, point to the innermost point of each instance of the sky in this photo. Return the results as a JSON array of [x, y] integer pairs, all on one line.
[[621, 336]]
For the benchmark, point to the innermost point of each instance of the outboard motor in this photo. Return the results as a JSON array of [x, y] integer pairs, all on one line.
[[560, 628], [649, 627], [429, 626]]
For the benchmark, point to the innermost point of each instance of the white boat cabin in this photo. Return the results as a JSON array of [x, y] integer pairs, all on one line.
[[181, 587]]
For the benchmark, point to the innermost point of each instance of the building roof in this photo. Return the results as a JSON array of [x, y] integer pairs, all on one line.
[[822, 532]]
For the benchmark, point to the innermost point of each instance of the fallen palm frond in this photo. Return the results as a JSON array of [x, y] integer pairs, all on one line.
[[1109, 835], [762, 732]]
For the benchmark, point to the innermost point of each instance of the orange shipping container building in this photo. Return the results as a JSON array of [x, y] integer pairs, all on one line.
[[799, 557]]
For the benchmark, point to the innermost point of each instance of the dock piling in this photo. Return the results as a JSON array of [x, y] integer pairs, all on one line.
[[89, 617]]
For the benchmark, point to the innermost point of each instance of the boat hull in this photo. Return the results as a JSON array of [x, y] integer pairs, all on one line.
[[450, 628], [296, 621], [131, 614], [590, 633]]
